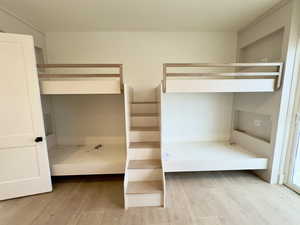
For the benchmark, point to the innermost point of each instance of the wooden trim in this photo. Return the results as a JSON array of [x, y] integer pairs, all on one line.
[[164, 83], [79, 65], [121, 77], [230, 77], [77, 75], [222, 64], [279, 78], [246, 74]]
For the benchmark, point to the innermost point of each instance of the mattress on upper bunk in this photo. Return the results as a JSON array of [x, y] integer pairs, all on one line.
[[101, 85], [193, 84], [209, 156]]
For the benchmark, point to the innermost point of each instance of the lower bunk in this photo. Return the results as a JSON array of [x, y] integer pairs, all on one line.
[[87, 159], [210, 156]]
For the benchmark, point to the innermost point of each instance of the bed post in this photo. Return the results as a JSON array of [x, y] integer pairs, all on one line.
[[164, 77]]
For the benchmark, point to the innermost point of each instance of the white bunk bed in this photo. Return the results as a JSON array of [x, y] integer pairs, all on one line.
[[241, 77], [241, 151], [81, 156], [75, 83]]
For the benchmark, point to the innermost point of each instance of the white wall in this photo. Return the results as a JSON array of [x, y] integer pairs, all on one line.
[[143, 54], [10, 23], [89, 119], [266, 32], [197, 116]]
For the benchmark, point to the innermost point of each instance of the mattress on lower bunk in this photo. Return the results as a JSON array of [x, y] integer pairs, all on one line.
[[209, 156], [101, 85], [85, 159]]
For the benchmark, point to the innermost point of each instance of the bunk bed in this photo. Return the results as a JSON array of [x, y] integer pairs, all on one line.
[[241, 150], [80, 83], [231, 77], [82, 155]]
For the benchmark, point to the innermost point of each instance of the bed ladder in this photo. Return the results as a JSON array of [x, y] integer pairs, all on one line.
[[144, 178]]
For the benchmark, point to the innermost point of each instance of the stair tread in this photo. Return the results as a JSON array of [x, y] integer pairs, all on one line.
[[144, 187], [144, 145], [144, 129], [145, 102], [144, 114], [144, 164]]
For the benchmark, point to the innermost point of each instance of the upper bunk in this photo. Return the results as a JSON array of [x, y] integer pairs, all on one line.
[[62, 79], [230, 77]]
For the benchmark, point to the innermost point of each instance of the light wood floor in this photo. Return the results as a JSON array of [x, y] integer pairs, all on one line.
[[217, 198]]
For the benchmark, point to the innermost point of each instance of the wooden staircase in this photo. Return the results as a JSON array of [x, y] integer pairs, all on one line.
[[144, 179]]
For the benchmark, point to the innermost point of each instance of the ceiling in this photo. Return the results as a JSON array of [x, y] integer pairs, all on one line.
[[146, 15]]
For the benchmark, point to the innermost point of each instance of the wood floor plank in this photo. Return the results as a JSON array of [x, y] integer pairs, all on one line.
[[202, 198]]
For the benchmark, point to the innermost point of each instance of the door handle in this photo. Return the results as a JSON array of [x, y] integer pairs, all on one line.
[[38, 139]]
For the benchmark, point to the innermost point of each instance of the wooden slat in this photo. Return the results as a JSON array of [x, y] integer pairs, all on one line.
[[144, 164], [229, 77], [244, 74], [79, 65], [77, 75], [222, 64], [144, 187]]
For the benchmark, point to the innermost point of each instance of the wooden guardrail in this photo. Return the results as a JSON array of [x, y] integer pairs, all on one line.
[[65, 75], [278, 66]]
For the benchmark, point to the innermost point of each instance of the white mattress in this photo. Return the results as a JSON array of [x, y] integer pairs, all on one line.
[[81, 160], [209, 156]]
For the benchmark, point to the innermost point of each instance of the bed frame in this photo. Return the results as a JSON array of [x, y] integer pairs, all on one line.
[[243, 77], [75, 83]]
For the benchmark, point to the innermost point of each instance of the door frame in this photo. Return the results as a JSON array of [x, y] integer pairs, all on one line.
[[294, 131]]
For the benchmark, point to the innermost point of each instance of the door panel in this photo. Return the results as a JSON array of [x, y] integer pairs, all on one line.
[[24, 165], [22, 168]]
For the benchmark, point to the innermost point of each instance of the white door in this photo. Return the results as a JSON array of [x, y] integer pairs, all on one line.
[[24, 165]]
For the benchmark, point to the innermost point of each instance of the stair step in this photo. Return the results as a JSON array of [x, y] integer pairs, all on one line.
[[149, 102], [144, 129], [144, 200], [144, 164], [141, 136], [144, 174], [140, 121], [144, 108], [144, 144], [144, 187], [145, 114]]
